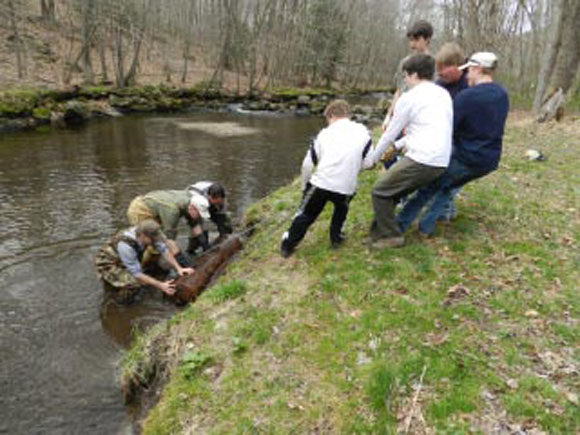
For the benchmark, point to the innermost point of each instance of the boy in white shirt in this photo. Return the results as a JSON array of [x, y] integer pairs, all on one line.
[[338, 153], [425, 111]]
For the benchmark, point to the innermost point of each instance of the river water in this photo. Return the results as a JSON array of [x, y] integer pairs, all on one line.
[[62, 193]]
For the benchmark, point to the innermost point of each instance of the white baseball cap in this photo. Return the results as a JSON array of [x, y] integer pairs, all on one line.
[[201, 204], [485, 59]]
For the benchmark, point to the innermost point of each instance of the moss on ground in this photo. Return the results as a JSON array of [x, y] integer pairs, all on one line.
[[473, 330]]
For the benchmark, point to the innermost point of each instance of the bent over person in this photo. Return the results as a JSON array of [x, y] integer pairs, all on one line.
[[119, 262], [209, 198], [338, 153], [166, 207]]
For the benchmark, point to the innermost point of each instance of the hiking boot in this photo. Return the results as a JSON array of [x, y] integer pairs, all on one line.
[[389, 242]]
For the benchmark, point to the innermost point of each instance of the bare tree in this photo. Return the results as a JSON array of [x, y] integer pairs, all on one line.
[[562, 60], [13, 12], [48, 10]]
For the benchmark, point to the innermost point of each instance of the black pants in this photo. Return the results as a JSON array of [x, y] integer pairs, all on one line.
[[312, 205]]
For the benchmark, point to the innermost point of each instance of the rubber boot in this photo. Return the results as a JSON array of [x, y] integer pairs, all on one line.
[[183, 260], [196, 242]]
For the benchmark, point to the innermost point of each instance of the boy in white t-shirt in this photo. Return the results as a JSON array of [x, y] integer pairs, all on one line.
[[339, 152], [425, 111]]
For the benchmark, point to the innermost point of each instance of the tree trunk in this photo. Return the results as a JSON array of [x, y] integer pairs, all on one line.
[[569, 54], [103, 59], [132, 74], [547, 68], [88, 32], [118, 57], [48, 10], [18, 46]]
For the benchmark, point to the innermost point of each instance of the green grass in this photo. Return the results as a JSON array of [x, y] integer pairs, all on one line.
[[230, 290], [363, 341]]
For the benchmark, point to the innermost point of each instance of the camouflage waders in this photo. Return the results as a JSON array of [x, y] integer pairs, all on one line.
[[118, 281]]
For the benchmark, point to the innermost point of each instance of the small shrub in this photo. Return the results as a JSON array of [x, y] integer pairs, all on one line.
[[239, 346], [193, 362]]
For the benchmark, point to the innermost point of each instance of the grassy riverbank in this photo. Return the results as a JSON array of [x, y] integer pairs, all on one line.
[[475, 329]]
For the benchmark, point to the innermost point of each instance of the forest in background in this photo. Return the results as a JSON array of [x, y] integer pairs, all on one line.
[[251, 45]]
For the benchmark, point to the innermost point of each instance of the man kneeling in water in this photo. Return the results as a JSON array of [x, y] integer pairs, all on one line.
[[119, 262]]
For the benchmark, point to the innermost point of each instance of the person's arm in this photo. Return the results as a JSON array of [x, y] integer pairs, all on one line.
[[131, 262], [167, 287], [309, 162], [460, 107], [168, 256], [399, 121], [223, 221], [389, 114], [367, 154], [398, 79]]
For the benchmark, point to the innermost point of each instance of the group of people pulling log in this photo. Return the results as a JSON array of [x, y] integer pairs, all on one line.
[[438, 135]]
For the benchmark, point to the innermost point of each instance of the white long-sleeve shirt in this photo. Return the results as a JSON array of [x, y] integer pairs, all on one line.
[[426, 113], [338, 153]]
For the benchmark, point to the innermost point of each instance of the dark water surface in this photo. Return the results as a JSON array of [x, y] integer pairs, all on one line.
[[62, 193]]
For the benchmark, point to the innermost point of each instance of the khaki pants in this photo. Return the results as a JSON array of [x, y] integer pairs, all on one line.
[[402, 178], [138, 211]]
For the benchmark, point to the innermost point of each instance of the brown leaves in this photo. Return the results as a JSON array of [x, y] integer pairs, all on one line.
[[455, 293], [436, 339]]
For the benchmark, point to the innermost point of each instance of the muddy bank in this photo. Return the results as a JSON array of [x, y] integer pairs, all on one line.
[[32, 109], [176, 347]]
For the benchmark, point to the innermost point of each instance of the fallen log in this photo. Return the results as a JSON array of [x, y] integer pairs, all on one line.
[[207, 265]]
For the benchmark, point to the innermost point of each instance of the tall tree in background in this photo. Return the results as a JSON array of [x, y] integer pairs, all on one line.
[[252, 44], [48, 10], [562, 57], [14, 8]]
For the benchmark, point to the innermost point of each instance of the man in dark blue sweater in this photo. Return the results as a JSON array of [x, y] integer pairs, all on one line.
[[479, 116], [447, 62]]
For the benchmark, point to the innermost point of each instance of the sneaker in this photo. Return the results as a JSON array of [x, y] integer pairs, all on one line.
[[286, 252], [335, 244], [389, 242]]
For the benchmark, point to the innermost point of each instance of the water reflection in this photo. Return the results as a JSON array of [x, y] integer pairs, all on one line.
[[62, 193]]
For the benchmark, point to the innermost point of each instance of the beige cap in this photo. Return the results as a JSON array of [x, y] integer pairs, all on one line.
[[201, 204], [485, 59]]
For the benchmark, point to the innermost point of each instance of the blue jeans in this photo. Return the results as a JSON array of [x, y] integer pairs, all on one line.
[[449, 210], [441, 190]]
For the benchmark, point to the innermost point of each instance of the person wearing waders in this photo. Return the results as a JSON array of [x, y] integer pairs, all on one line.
[[120, 262], [337, 153]]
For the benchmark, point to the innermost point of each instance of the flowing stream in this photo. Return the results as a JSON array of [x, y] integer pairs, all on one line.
[[62, 194]]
